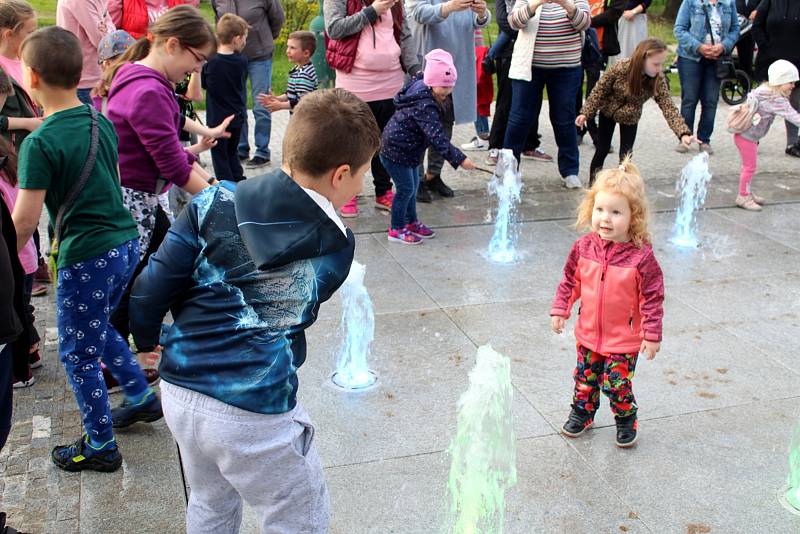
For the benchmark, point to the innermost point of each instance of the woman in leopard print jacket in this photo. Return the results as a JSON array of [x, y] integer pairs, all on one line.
[[620, 95]]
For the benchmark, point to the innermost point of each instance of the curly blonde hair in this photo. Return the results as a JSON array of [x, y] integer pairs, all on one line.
[[624, 180]]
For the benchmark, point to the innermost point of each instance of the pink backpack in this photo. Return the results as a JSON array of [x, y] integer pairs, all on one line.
[[744, 116]]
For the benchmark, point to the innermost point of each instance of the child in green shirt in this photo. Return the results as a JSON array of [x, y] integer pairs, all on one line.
[[97, 245]]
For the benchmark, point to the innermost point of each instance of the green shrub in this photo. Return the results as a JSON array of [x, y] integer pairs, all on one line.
[[298, 16]]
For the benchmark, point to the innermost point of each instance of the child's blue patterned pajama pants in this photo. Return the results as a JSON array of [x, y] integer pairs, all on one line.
[[87, 293]]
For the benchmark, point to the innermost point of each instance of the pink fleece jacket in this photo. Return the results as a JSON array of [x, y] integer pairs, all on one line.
[[27, 256], [89, 21]]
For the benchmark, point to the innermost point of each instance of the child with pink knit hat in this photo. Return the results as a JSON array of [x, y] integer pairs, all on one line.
[[415, 125]]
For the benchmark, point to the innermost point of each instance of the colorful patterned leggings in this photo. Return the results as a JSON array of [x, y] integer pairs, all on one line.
[[86, 294], [611, 373]]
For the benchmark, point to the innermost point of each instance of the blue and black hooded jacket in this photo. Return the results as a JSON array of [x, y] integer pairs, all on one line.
[[416, 124], [243, 270]]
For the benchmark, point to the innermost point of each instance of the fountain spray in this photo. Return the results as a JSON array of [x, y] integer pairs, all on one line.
[[483, 452], [791, 496], [506, 184], [692, 192]]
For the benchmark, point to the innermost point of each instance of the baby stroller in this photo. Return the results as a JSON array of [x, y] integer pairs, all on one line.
[[733, 90]]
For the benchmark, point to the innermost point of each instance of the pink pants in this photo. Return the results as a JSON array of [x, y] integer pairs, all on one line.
[[748, 152]]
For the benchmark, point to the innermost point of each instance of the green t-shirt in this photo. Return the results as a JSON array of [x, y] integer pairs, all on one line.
[[52, 158]]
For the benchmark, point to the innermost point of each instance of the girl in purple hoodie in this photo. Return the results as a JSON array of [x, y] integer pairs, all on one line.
[[145, 114]]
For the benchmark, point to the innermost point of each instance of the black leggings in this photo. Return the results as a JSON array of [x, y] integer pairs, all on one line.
[[605, 131], [119, 317]]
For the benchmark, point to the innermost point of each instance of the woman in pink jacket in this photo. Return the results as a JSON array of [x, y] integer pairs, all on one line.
[[613, 272]]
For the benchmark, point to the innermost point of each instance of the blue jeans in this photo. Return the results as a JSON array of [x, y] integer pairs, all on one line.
[[526, 97], [482, 126], [85, 96], [699, 83], [86, 294], [260, 74], [406, 182], [502, 40]]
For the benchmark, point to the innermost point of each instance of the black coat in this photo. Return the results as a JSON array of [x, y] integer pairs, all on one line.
[[745, 7], [608, 20], [776, 30], [12, 277]]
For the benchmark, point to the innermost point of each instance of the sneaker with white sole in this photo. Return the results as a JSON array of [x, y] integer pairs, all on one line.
[[403, 236], [476, 144], [572, 182], [536, 154]]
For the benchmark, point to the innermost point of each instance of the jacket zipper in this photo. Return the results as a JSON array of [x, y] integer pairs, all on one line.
[[606, 256]]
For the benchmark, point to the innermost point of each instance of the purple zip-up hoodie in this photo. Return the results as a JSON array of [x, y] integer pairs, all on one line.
[[144, 110]]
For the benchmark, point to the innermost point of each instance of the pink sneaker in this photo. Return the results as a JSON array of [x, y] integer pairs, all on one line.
[[384, 202], [404, 236], [350, 210], [420, 230]]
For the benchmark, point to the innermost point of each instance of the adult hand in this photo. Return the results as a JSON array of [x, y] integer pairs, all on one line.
[[455, 5], [705, 50], [752, 16], [479, 8], [580, 121], [150, 359], [468, 165], [382, 6], [220, 130], [718, 49], [557, 323], [628, 14], [650, 347]]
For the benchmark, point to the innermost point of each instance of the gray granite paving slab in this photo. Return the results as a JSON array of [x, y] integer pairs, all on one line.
[[146, 492], [696, 470], [557, 492], [412, 410]]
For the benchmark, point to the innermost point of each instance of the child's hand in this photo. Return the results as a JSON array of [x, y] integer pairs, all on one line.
[[687, 140], [150, 359], [650, 347], [468, 165], [221, 129], [580, 121], [207, 143], [276, 105], [557, 323], [265, 99]]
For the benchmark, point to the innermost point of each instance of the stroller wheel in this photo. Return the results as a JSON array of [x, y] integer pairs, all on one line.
[[734, 90]]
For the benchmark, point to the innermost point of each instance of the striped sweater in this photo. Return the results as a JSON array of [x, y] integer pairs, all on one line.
[[558, 39], [302, 80]]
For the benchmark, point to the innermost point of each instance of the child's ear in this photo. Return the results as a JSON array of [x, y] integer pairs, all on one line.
[[173, 45], [338, 175], [33, 77]]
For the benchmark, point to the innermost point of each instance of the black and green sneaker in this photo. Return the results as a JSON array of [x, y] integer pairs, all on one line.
[[80, 456], [128, 413], [627, 431]]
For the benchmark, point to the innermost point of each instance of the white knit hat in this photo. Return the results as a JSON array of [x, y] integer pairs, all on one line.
[[782, 72]]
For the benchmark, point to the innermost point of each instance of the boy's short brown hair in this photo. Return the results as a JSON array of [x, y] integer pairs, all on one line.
[[55, 55], [307, 41], [231, 26], [329, 128]]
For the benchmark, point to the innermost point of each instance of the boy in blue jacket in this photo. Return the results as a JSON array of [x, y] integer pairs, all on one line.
[[415, 125], [243, 271]]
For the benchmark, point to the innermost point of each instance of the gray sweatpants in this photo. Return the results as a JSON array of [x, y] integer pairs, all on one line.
[[230, 454]]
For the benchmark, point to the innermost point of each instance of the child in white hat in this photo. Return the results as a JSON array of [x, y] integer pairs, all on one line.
[[772, 100]]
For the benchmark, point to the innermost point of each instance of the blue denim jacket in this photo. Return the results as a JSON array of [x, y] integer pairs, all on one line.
[[691, 29]]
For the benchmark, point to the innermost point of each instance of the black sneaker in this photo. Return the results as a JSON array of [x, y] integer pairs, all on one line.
[[793, 150], [243, 157], [436, 184], [577, 423], [257, 161], [78, 456], [423, 195], [147, 411], [626, 431]]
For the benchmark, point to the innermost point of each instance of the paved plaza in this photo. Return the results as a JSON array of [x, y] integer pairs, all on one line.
[[717, 406]]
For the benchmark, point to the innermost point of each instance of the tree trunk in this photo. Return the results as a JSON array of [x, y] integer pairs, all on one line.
[[671, 9]]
